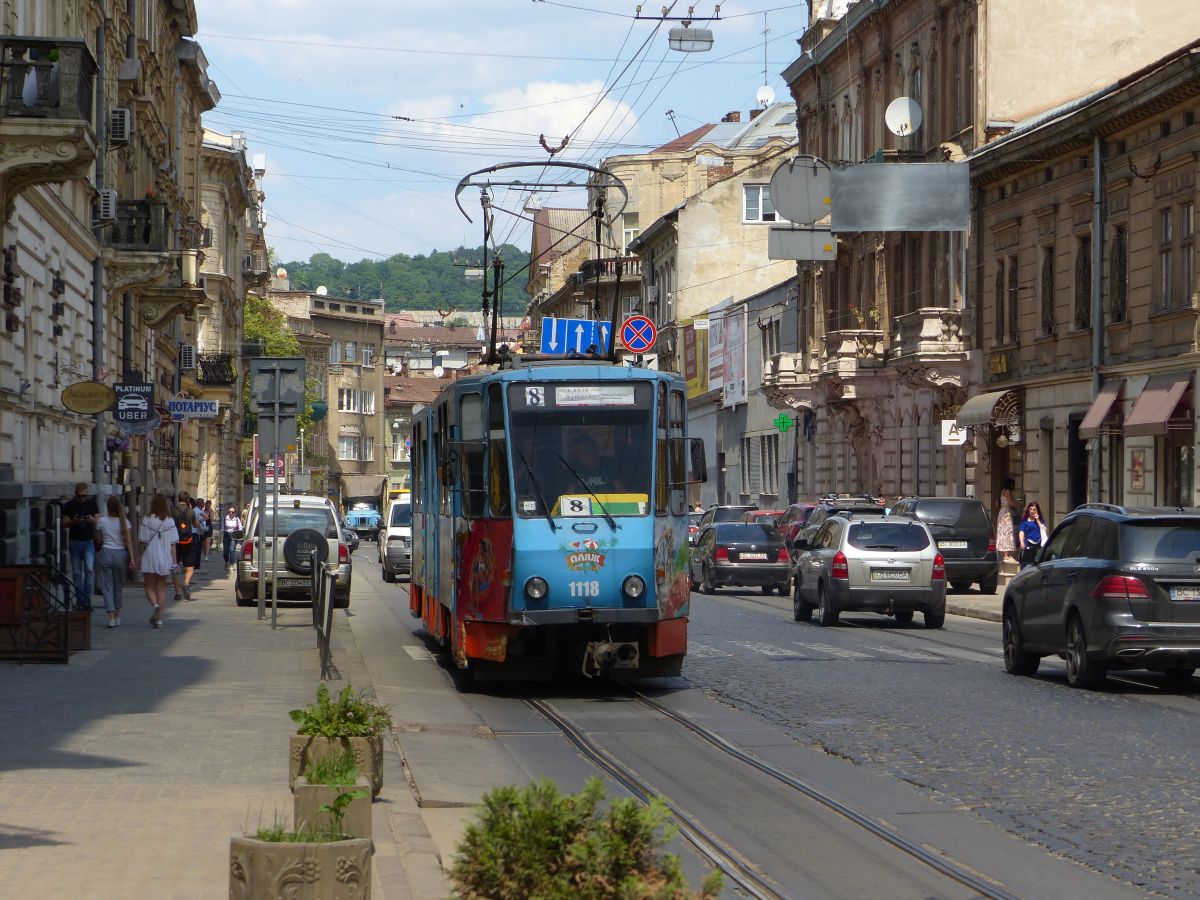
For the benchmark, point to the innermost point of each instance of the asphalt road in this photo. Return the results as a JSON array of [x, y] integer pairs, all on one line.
[[919, 729]]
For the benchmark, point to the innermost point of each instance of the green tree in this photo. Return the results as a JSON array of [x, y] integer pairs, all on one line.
[[264, 323]]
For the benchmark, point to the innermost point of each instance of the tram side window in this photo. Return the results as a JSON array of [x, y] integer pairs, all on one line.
[[497, 448], [679, 462], [440, 438], [662, 455], [474, 490], [418, 494]]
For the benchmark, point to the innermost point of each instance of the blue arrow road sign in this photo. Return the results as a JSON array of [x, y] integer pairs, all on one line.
[[574, 335]]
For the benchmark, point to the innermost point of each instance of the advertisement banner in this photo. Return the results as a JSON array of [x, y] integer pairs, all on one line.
[[716, 346], [135, 412], [271, 470], [695, 359], [734, 366]]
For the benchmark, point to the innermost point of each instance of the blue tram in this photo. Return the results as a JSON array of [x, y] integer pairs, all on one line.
[[550, 519]]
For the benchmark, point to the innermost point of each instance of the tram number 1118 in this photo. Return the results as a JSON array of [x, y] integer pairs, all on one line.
[[585, 588]]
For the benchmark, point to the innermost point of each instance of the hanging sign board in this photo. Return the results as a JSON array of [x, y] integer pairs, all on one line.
[[953, 434], [193, 409], [89, 397]]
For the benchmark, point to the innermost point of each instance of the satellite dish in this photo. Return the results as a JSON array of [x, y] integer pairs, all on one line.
[[438, 371], [765, 95], [903, 116], [322, 290]]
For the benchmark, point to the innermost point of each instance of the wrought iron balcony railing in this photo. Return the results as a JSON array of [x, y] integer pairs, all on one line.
[[215, 369], [46, 78], [631, 268]]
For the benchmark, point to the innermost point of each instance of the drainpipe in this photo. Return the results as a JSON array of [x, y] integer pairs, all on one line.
[[98, 294], [1097, 301]]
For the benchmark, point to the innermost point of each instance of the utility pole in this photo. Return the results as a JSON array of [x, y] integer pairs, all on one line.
[[671, 116]]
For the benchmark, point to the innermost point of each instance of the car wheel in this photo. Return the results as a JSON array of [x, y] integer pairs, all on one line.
[[1017, 661], [801, 609], [988, 587], [767, 588], [389, 577], [904, 616], [1082, 670], [935, 620], [1182, 674], [341, 602], [826, 614], [692, 582], [706, 585], [960, 585], [242, 601]]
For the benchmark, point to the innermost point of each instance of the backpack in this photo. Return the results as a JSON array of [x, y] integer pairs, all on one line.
[[183, 522]]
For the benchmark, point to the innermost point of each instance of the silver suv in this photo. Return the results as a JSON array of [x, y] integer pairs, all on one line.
[[306, 523], [869, 562]]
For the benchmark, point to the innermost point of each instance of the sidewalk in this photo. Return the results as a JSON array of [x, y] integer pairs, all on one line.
[[976, 606], [125, 773]]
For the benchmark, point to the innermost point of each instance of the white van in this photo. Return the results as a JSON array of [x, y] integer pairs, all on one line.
[[395, 540]]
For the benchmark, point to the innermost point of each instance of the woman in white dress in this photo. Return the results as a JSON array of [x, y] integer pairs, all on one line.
[[114, 554], [158, 536]]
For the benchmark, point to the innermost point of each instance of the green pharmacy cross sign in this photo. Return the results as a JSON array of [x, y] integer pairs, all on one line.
[[784, 422]]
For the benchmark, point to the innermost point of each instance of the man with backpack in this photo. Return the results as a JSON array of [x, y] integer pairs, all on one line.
[[188, 548]]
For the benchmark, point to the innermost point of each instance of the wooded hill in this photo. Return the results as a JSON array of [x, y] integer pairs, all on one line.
[[413, 282]]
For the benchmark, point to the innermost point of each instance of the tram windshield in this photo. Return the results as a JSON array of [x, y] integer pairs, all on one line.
[[580, 450]]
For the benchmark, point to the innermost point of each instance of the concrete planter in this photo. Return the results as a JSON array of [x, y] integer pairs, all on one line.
[[368, 756], [265, 870], [307, 800]]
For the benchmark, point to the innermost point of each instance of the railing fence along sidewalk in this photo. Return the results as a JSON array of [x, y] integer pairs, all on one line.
[[323, 578], [34, 607]]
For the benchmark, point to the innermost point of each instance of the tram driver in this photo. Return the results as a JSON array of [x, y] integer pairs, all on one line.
[[582, 454]]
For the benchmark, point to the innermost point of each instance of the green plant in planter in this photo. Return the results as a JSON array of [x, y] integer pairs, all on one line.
[[334, 771], [539, 842], [340, 804], [350, 715]]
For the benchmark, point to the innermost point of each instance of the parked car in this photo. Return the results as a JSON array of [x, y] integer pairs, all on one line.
[[305, 524], [763, 517], [1114, 587], [964, 536], [694, 525], [739, 553], [395, 545], [724, 514], [793, 519], [833, 505], [870, 562]]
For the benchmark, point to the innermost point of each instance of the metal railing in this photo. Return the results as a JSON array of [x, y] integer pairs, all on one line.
[[215, 369], [33, 617], [323, 578]]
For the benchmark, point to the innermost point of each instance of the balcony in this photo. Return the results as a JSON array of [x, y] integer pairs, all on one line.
[[928, 348], [788, 384], [606, 268], [215, 369], [850, 360], [46, 124], [140, 227]]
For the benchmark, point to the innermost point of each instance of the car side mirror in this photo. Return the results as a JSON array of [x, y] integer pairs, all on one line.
[[800, 544]]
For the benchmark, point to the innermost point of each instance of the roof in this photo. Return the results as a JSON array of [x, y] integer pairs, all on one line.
[[404, 389], [552, 224], [684, 141]]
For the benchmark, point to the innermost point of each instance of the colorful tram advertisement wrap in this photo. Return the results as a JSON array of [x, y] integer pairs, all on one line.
[[550, 520]]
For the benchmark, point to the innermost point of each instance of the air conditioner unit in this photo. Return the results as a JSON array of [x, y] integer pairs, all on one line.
[[187, 356], [120, 125], [106, 206], [206, 239]]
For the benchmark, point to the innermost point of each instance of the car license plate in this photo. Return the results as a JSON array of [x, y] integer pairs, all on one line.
[[1185, 593], [889, 574], [952, 545], [752, 556], [294, 582]]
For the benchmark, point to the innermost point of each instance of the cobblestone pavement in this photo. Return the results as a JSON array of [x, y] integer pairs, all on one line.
[[124, 774], [1107, 779]]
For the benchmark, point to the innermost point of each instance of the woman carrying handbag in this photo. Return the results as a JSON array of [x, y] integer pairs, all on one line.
[[158, 536], [114, 556]]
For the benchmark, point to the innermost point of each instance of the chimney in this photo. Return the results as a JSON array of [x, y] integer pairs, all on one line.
[[734, 116], [755, 113]]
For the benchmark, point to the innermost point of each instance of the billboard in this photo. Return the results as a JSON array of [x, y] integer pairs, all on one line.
[[695, 359], [716, 345], [734, 365]]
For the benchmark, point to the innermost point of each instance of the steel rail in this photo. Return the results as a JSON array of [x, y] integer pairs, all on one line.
[[738, 869], [941, 864]]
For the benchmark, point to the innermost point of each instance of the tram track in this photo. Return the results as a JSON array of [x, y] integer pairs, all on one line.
[[741, 871]]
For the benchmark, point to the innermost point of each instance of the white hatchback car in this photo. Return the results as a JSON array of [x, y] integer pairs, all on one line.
[[305, 523]]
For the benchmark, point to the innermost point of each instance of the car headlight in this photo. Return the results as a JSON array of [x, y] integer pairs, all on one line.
[[633, 586], [536, 588]]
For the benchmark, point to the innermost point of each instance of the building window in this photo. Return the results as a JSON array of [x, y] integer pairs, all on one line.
[[769, 463], [745, 467], [370, 456], [968, 100], [1166, 258], [757, 206], [999, 310], [335, 353], [1083, 283], [366, 402], [772, 336], [1047, 290], [629, 231], [1014, 306], [347, 446], [349, 351], [957, 85], [1187, 253], [399, 454], [368, 354], [347, 400], [1118, 275]]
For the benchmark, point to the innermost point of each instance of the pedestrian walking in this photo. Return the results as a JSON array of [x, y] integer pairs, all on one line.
[[1006, 539], [187, 550], [1033, 533], [79, 518], [158, 537], [206, 527], [114, 557], [231, 532]]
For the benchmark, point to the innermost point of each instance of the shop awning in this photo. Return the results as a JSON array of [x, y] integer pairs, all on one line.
[[1109, 393], [363, 485], [980, 409], [1157, 404]]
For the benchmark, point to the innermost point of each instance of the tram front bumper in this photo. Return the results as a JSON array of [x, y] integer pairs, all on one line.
[[586, 615]]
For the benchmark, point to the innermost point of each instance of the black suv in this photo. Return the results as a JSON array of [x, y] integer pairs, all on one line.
[[724, 514], [1113, 587], [833, 505], [963, 532]]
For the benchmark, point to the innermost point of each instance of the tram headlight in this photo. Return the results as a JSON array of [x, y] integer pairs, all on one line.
[[536, 588], [633, 586]]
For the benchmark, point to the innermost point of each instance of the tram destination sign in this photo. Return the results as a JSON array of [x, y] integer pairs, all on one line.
[[578, 396]]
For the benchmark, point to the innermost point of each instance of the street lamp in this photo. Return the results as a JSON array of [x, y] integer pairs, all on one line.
[[686, 39]]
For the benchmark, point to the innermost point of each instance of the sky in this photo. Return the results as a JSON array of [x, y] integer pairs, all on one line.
[[369, 112]]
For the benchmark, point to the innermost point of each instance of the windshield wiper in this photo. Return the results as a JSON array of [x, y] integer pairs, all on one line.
[[612, 523], [881, 547], [537, 488]]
